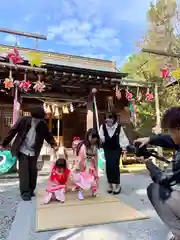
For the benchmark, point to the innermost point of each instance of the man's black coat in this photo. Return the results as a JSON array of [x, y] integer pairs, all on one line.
[[19, 131]]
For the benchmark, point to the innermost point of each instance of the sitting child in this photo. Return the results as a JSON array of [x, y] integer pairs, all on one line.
[[58, 181]]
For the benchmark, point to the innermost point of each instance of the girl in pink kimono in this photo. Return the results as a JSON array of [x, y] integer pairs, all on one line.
[[87, 178]]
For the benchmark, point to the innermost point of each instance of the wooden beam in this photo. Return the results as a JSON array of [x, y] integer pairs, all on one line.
[[54, 96], [23, 34], [161, 53], [17, 66]]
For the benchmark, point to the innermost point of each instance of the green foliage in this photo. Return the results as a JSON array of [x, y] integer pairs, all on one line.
[[147, 116], [146, 67]]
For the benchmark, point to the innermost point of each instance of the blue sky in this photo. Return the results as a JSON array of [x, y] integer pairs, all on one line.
[[107, 29]]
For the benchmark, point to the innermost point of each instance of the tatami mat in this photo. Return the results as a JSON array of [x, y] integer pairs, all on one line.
[[73, 213]]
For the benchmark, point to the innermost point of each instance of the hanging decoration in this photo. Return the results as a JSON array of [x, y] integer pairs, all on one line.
[[8, 83], [65, 109], [71, 108], [15, 57], [39, 86], [165, 73], [176, 74], [35, 59], [118, 92], [129, 96], [148, 95], [48, 109], [56, 112], [25, 85]]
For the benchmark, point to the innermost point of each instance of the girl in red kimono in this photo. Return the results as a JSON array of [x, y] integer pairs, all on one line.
[[88, 164], [57, 181]]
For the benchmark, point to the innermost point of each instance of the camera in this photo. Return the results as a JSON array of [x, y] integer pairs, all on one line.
[[139, 151]]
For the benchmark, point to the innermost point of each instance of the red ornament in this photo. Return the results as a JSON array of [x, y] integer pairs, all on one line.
[[24, 86], [129, 96], [165, 73], [14, 57], [149, 96]]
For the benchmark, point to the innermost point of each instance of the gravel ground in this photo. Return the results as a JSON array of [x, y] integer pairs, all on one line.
[[9, 199], [133, 194]]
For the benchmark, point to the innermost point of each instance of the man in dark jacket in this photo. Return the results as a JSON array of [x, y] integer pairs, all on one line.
[[164, 197], [29, 133]]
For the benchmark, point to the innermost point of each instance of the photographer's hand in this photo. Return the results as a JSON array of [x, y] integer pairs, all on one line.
[[143, 141]]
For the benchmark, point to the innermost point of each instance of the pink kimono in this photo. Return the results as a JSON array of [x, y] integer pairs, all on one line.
[[88, 177]]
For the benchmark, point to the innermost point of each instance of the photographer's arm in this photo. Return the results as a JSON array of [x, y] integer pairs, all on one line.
[[162, 140]]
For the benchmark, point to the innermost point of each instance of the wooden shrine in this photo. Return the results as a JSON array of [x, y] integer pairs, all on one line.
[[65, 84]]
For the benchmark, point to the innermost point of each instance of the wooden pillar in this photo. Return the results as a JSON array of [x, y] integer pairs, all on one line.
[[158, 118], [89, 116], [50, 122], [16, 106], [158, 121], [58, 130]]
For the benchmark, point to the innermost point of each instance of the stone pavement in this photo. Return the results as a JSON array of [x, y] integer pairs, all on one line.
[[46, 166], [133, 194]]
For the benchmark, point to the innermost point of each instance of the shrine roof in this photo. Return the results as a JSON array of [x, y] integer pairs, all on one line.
[[63, 59]]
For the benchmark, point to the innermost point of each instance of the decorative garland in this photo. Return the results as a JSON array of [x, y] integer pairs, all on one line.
[[130, 96], [171, 75], [35, 58], [66, 109], [24, 85]]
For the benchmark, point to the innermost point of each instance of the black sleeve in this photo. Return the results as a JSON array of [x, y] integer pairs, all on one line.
[[49, 137], [12, 133], [162, 140]]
